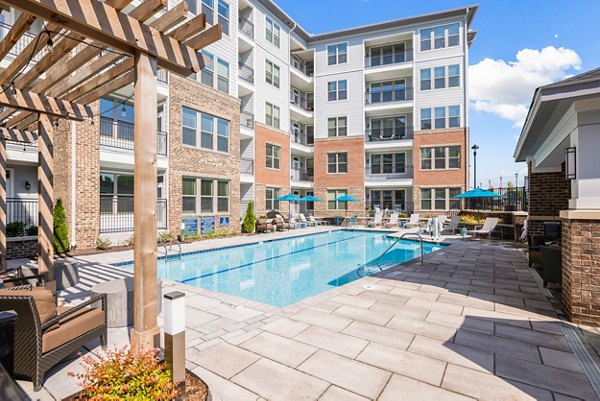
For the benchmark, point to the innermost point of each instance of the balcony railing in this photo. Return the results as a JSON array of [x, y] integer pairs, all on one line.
[[308, 70], [389, 58], [302, 175], [22, 43], [301, 138], [388, 172], [246, 166], [247, 119], [389, 96], [21, 216], [398, 206], [119, 134], [389, 134], [302, 102], [246, 26], [161, 75], [116, 213], [246, 72]]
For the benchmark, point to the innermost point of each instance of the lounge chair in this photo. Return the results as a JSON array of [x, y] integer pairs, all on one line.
[[487, 228], [317, 222], [551, 264], [281, 224], [263, 226], [46, 334], [452, 226], [413, 221], [376, 221], [296, 224], [308, 223], [393, 221], [442, 219]]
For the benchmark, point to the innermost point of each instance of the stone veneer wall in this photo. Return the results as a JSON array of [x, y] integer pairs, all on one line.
[[196, 162], [549, 193], [24, 247]]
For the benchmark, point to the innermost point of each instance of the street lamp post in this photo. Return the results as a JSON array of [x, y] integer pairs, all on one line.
[[516, 180], [474, 147]]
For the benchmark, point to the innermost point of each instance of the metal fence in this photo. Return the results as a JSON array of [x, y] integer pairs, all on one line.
[[119, 134], [116, 214], [21, 216], [389, 134], [22, 42], [302, 175], [247, 119], [246, 26], [389, 58], [389, 96], [388, 172], [246, 72], [246, 165], [511, 200]]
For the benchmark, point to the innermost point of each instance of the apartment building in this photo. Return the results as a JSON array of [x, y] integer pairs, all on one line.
[[379, 112]]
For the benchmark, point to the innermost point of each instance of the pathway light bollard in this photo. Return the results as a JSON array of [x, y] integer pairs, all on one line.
[[174, 313]]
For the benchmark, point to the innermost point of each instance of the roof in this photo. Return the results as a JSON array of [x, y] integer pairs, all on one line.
[[469, 11], [551, 99]]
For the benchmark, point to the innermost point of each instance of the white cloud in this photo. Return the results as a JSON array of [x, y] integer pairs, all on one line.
[[506, 88]]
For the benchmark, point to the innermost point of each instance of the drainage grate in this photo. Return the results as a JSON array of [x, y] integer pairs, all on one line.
[[585, 360]]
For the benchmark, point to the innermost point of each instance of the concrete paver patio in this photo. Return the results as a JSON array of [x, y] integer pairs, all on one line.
[[472, 322]]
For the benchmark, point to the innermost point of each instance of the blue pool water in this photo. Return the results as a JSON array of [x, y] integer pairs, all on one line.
[[283, 272]]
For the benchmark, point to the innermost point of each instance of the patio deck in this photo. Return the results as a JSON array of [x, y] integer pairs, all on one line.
[[472, 322]]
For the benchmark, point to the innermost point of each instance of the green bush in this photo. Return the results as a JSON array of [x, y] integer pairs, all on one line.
[[129, 241], [15, 229], [165, 237], [102, 243], [125, 375], [249, 219], [32, 231], [61, 232]]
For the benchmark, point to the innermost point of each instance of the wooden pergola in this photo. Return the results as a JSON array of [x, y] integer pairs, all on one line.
[[97, 48]]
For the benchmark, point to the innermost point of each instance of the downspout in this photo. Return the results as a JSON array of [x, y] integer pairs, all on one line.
[[466, 100], [288, 103], [73, 183]]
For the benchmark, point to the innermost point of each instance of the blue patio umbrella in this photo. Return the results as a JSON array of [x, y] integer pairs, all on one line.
[[477, 193], [289, 198], [310, 198], [347, 198]]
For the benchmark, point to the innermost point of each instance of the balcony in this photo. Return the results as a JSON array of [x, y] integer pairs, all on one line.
[[307, 175], [306, 68], [246, 166], [246, 72], [23, 211], [116, 214], [301, 138], [388, 96], [398, 206], [119, 134], [246, 119], [389, 134], [389, 172], [246, 27], [391, 58]]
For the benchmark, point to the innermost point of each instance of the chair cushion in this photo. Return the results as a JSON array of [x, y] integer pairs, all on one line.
[[43, 298], [72, 327]]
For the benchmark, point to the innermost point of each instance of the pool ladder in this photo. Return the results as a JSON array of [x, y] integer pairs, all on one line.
[[374, 261], [164, 245]]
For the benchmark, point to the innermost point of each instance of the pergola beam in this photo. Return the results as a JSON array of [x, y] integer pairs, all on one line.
[[31, 101], [16, 135], [147, 9], [21, 26], [205, 38], [190, 28], [171, 18], [100, 22]]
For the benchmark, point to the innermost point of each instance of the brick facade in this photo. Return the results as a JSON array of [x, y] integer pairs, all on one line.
[[447, 178], [270, 177], [200, 163], [549, 193]]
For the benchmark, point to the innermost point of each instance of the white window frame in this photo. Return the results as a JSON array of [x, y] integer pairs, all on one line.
[[198, 196], [433, 156], [337, 126], [337, 53], [428, 80], [272, 200], [339, 205], [272, 28], [215, 131], [457, 76], [434, 197], [337, 163], [222, 78], [395, 163], [337, 90], [453, 116], [274, 157], [225, 27], [431, 38], [430, 119], [439, 82], [272, 73], [275, 115]]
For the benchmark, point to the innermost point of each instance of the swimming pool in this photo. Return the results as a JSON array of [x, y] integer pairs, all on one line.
[[283, 272]]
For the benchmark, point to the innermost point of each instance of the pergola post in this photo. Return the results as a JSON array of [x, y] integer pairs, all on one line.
[[145, 332], [2, 205], [45, 173]]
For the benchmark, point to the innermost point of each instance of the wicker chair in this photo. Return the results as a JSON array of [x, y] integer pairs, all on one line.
[[39, 346], [263, 226], [551, 264]]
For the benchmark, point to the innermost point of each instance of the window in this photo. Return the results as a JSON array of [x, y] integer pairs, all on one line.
[[209, 201], [438, 198], [337, 163], [188, 198], [389, 163], [337, 54], [425, 119], [222, 196], [224, 16], [440, 158], [207, 73], [337, 126], [271, 195], [388, 128], [272, 115], [337, 90], [425, 79], [273, 155], [223, 76], [453, 75], [443, 36], [426, 199], [332, 195], [440, 77], [453, 116], [440, 117], [208, 124], [272, 74], [273, 31], [387, 54], [192, 6], [208, 9], [206, 196]]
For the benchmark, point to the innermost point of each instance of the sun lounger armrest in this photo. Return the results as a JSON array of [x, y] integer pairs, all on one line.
[[70, 311]]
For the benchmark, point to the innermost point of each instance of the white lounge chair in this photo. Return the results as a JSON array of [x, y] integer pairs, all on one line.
[[308, 223], [442, 218], [487, 228], [393, 221], [317, 222], [376, 221], [413, 221], [452, 226]]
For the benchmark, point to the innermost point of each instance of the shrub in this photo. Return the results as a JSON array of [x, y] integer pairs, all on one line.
[[32, 231], [15, 229], [61, 232], [129, 241], [165, 237], [102, 243], [123, 374], [249, 219]]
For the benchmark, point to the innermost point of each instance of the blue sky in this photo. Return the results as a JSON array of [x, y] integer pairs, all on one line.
[[563, 40]]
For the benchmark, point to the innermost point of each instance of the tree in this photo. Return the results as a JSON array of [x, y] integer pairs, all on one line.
[[61, 232], [249, 219]]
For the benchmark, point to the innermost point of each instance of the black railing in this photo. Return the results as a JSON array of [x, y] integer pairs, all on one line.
[[303, 67], [21, 217], [306, 174], [389, 58], [389, 134], [302, 138], [246, 26], [510, 200], [247, 119], [302, 102], [119, 134], [389, 96], [22, 147], [22, 43], [246, 72], [161, 75], [116, 213], [388, 171], [398, 206], [246, 165]]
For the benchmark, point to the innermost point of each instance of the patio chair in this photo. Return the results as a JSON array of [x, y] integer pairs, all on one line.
[[263, 226], [393, 221], [308, 223], [533, 244], [353, 221], [452, 226], [296, 224], [280, 224], [442, 219], [376, 221], [413, 221], [487, 228], [46, 334], [317, 222], [551, 264]]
